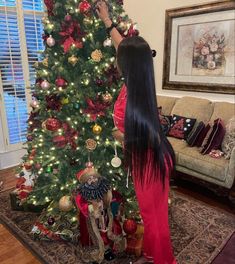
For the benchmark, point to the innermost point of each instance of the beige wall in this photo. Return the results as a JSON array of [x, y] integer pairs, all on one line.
[[150, 16]]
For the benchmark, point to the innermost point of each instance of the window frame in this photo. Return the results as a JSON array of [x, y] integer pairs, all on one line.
[[20, 14]]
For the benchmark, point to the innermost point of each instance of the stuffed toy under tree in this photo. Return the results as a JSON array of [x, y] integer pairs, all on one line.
[[70, 125]]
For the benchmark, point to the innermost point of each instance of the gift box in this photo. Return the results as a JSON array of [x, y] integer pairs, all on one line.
[[18, 205], [135, 241], [134, 246]]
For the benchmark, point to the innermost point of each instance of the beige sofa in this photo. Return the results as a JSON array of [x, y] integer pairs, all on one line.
[[189, 161]]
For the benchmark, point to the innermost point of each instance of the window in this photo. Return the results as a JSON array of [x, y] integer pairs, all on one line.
[[20, 38]]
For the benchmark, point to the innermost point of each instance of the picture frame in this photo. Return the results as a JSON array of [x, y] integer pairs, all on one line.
[[199, 50]]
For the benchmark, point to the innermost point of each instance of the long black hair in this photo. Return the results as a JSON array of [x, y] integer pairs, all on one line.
[[144, 141]]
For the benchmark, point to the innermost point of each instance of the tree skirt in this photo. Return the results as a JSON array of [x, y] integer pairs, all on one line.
[[198, 231]]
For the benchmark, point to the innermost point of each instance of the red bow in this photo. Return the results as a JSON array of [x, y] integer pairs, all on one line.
[[71, 34], [70, 135], [95, 108]]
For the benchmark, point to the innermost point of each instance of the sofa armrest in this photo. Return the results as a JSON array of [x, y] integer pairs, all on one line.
[[231, 177], [231, 166]]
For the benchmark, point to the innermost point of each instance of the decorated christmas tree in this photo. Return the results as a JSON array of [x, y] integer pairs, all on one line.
[[70, 125]]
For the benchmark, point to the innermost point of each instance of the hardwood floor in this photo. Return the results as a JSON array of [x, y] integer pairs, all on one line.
[[12, 251]]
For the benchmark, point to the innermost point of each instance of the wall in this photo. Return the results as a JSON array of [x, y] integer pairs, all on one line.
[[150, 16]]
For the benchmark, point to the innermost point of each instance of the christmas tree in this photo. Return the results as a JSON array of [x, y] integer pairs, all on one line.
[[70, 125]]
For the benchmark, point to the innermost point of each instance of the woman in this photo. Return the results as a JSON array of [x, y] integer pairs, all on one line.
[[147, 152]]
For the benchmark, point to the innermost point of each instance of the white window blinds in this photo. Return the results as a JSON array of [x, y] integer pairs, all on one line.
[[20, 38]]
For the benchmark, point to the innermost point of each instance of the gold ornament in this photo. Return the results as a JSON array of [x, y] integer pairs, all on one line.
[[44, 125], [91, 144], [107, 98], [36, 64], [45, 20], [65, 203], [96, 55], [64, 101], [45, 62], [97, 129], [123, 26], [73, 60]]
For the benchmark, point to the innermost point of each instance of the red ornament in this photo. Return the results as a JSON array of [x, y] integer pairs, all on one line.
[[59, 141], [30, 137], [33, 152], [99, 82], [53, 124], [37, 166], [68, 18], [129, 226], [84, 7], [60, 82], [51, 220]]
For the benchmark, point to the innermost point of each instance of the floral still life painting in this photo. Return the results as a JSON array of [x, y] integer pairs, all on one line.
[[209, 54]]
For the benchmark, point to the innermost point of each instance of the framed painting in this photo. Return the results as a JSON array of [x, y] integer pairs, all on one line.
[[200, 48]]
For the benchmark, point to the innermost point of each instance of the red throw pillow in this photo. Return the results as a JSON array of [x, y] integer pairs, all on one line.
[[202, 135], [216, 137], [193, 136]]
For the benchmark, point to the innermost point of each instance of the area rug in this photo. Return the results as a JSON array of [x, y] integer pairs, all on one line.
[[199, 232]]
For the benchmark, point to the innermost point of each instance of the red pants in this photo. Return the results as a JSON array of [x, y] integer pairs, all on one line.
[[153, 204]]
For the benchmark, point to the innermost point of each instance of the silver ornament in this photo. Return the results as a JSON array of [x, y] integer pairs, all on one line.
[[50, 41], [45, 85], [107, 42], [116, 162]]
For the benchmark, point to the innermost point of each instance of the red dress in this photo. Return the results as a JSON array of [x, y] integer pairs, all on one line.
[[153, 203]]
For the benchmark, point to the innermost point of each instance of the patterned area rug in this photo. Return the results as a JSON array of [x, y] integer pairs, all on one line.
[[198, 231]]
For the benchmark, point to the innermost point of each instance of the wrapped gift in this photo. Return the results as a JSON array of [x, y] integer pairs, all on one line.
[[19, 204], [135, 241]]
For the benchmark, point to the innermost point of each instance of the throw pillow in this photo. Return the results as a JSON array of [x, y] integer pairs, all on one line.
[[202, 135], [216, 137], [192, 138], [181, 126], [229, 139], [165, 123]]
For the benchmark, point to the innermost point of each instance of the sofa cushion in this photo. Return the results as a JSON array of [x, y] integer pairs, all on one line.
[[200, 109], [166, 103], [177, 145], [192, 159], [223, 110], [181, 126]]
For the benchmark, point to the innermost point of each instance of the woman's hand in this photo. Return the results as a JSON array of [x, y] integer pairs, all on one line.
[[103, 12]]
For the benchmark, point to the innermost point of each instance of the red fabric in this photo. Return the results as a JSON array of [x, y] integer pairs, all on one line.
[[119, 109], [84, 235], [82, 205], [153, 203]]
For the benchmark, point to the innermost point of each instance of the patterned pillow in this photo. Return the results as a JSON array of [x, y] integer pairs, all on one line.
[[165, 123], [181, 126], [215, 138], [229, 139], [192, 138]]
